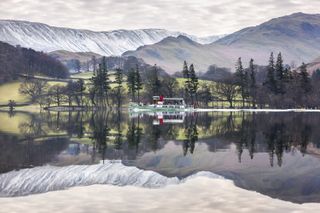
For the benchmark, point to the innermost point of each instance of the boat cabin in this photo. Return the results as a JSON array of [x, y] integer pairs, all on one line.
[[160, 100]]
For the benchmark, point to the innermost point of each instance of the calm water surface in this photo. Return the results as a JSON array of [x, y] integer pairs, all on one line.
[[276, 154]]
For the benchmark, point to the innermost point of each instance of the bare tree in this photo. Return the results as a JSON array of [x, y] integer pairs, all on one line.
[[34, 88], [226, 90], [57, 94]]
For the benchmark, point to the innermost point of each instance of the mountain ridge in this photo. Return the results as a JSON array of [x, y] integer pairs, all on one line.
[[43, 37], [296, 36]]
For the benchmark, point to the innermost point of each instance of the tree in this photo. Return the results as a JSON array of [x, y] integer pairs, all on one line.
[[187, 83], [11, 105], [253, 83], [119, 81], [305, 81], [57, 94], [279, 71], [194, 84], [105, 78], [34, 88], [226, 89], [101, 84], [138, 81], [242, 81], [153, 83], [185, 70], [70, 91], [170, 86], [131, 83], [270, 82], [94, 63], [205, 94], [17, 61], [80, 88]]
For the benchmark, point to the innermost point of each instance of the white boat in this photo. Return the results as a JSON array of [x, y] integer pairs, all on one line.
[[160, 103]]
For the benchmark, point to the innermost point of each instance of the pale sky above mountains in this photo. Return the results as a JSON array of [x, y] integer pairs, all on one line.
[[198, 17]]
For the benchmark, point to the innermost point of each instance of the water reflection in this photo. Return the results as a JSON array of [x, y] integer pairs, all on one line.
[[234, 144], [102, 131]]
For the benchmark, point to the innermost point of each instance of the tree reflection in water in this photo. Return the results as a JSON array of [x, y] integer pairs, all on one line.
[[111, 134], [191, 134], [100, 132]]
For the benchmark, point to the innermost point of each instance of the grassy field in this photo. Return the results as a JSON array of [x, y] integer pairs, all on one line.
[[10, 91], [83, 75], [88, 75]]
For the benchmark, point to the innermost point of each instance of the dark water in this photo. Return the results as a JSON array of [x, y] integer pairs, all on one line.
[[276, 154]]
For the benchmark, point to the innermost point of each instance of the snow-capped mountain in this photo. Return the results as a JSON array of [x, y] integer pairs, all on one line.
[[50, 178], [46, 38]]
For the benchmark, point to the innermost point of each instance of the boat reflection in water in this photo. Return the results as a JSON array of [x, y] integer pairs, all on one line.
[[161, 118]]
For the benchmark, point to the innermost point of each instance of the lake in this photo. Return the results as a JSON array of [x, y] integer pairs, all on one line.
[[276, 154]]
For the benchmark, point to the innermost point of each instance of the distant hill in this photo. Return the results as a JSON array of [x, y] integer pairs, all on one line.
[[68, 59], [171, 52], [297, 36], [17, 60], [64, 56], [47, 38], [113, 62]]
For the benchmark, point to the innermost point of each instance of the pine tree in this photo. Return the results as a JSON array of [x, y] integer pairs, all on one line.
[[155, 81], [194, 84], [279, 70], [270, 82], [131, 82], [187, 83], [287, 74], [242, 81], [185, 70], [305, 79], [253, 83], [101, 84], [105, 79], [119, 81], [138, 81]]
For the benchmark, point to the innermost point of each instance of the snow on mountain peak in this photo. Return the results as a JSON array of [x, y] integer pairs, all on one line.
[[46, 38]]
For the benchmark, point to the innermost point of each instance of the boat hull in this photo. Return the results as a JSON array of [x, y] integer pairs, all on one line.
[[156, 108]]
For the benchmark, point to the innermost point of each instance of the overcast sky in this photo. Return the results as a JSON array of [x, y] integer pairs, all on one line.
[[198, 17]]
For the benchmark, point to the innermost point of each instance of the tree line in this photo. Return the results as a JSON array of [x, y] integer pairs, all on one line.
[[278, 86], [281, 87], [15, 61]]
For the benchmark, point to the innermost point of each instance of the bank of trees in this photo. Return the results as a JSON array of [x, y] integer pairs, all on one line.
[[276, 86], [15, 61], [282, 86]]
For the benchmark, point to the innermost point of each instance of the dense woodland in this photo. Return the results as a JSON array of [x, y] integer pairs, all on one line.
[[17, 60], [281, 87]]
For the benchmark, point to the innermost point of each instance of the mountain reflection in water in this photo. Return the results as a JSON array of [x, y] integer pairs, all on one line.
[[276, 154]]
